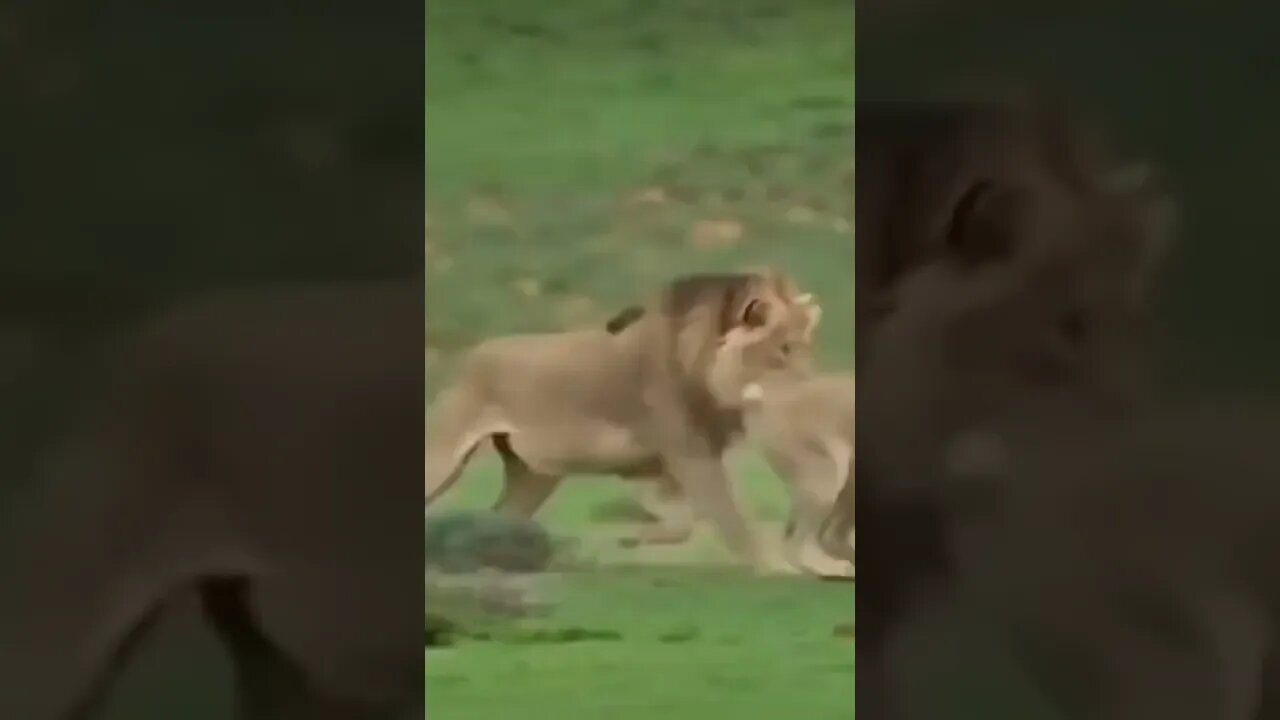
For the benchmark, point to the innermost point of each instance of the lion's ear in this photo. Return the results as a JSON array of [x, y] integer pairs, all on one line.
[[815, 315], [986, 223], [755, 313], [1158, 216], [1148, 190]]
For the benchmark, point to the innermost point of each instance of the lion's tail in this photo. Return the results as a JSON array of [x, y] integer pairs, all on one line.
[[455, 428]]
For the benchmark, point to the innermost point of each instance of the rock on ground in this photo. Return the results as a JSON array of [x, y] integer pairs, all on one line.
[[483, 566], [470, 541]]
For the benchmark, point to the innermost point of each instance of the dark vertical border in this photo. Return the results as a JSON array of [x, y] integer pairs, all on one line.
[[1187, 88], [211, 350]]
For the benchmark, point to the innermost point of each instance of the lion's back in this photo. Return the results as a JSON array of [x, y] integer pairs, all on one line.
[[531, 375], [823, 403], [545, 357]]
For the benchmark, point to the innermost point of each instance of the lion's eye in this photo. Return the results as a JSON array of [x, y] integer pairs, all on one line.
[[786, 348]]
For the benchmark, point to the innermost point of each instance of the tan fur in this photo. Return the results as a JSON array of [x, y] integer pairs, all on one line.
[[1039, 300], [1034, 289], [257, 449], [659, 398], [1061, 309], [1076, 526], [917, 161], [836, 530], [805, 429]]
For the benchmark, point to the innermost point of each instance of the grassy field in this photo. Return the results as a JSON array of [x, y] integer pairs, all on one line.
[[671, 631], [579, 153]]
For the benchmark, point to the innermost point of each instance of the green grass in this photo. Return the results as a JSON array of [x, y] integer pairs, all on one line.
[[692, 645], [581, 152], [578, 93], [692, 636]]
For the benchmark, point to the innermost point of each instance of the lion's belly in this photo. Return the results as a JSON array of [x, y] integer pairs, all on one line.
[[580, 449]]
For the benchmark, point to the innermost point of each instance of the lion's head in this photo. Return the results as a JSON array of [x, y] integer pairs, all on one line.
[[1034, 293], [1036, 287], [925, 162], [726, 331], [762, 327]]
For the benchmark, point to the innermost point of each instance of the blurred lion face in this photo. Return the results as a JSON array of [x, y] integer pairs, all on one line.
[[773, 336]]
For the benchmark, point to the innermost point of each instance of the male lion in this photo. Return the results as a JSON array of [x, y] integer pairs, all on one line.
[[918, 161], [658, 398], [920, 167], [260, 450], [1035, 290], [803, 424], [1063, 232]]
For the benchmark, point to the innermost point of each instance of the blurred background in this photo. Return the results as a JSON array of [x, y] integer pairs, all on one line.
[[1189, 89], [154, 153]]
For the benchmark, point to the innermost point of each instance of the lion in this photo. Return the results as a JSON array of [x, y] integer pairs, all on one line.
[[836, 529], [918, 161], [261, 451], [658, 398], [804, 426], [921, 165], [805, 431], [1036, 291]]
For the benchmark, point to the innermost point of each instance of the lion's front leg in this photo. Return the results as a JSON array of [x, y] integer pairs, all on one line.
[[813, 479], [802, 546], [705, 482], [673, 522]]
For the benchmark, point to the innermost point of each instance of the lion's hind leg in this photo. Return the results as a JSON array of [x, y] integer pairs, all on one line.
[[267, 680], [673, 521], [524, 491], [456, 425]]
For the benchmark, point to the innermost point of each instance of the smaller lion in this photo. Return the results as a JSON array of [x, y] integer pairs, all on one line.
[[805, 430], [656, 395]]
